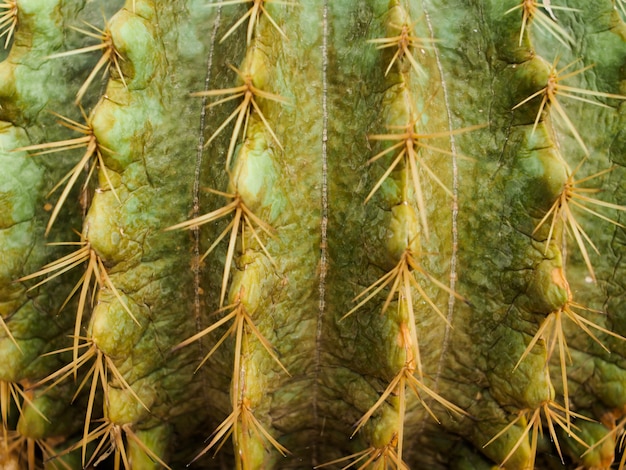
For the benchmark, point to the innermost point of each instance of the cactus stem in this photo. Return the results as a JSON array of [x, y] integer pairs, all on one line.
[[130, 434], [93, 152], [289, 153], [404, 42], [248, 91], [531, 12], [576, 196], [253, 13], [6, 329], [110, 55], [8, 20]]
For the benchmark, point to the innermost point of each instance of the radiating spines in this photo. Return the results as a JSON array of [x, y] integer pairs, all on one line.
[[409, 147], [243, 221], [408, 286], [95, 278], [560, 220], [111, 58], [246, 232], [109, 438], [388, 448], [555, 417], [383, 457], [552, 332], [542, 15], [566, 197], [24, 453], [12, 399], [91, 159], [248, 236], [614, 439], [249, 95], [575, 198], [253, 15], [554, 88], [8, 20], [401, 281], [240, 318], [404, 42], [241, 424], [98, 376]]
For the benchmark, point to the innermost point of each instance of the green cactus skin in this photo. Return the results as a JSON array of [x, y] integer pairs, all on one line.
[[388, 262]]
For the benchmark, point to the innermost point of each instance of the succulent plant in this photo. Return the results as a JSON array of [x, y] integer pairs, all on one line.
[[312, 233]]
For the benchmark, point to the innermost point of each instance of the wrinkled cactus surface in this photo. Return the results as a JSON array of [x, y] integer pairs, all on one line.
[[274, 234]]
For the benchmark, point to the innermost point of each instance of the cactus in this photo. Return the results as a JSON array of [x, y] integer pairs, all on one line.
[[297, 234]]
